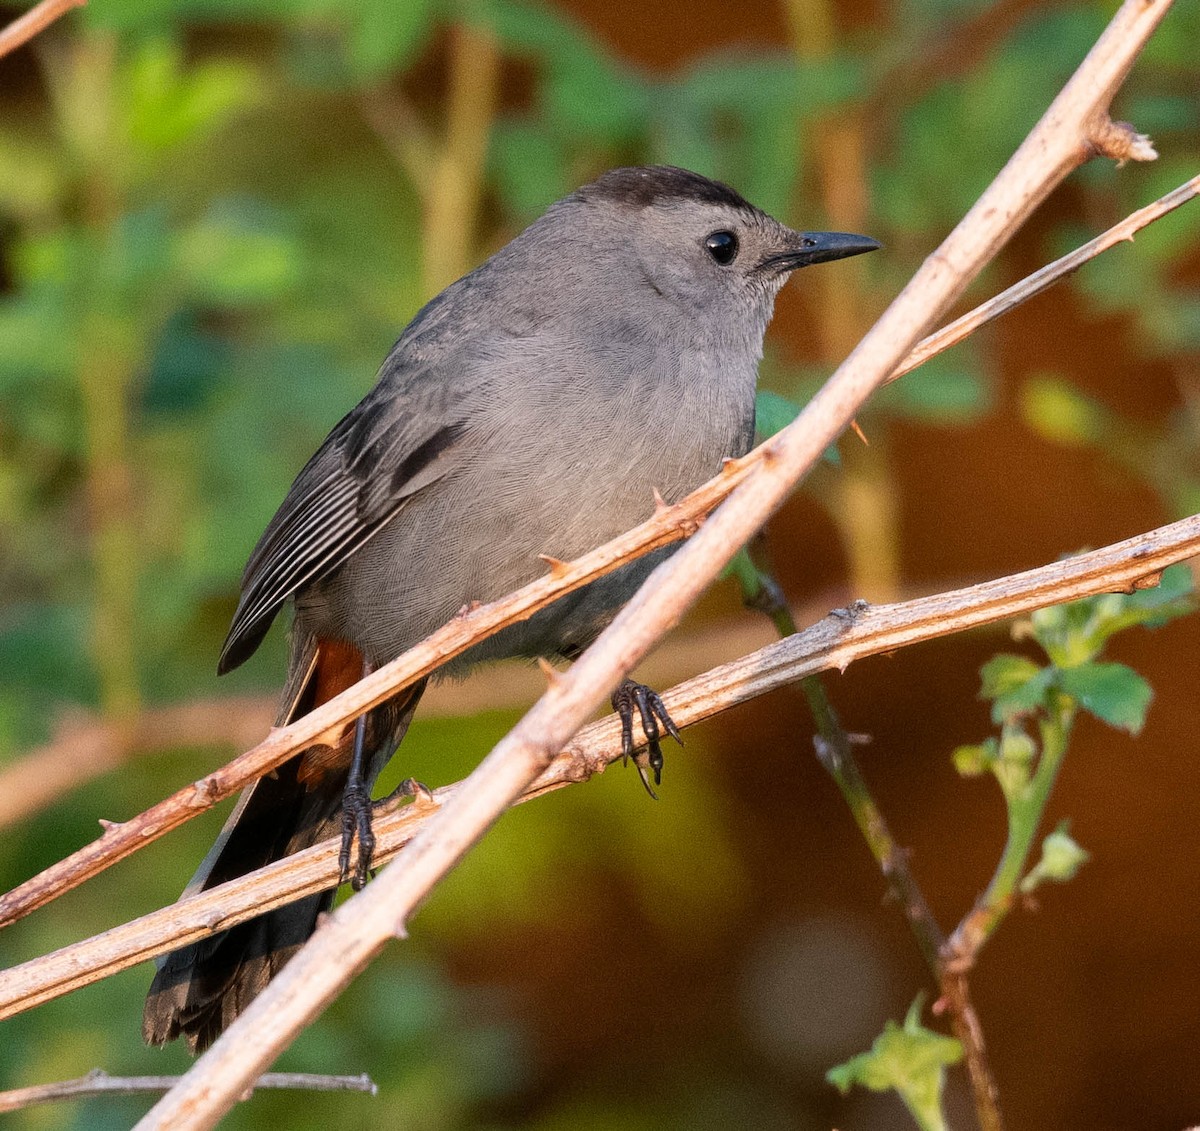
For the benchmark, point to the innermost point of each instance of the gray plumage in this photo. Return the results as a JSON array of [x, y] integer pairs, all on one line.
[[533, 407]]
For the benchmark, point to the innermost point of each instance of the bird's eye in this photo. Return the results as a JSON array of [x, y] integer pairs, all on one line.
[[722, 246]]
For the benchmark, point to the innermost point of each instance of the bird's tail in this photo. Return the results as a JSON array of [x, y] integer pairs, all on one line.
[[198, 990]]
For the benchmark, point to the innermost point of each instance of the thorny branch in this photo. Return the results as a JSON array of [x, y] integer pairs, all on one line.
[[1070, 132], [831, 644], [123, 839]]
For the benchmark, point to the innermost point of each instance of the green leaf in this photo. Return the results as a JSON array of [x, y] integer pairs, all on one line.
[[530, 165], [1061, 859], [383, 36], [912, 1060], [1059, 412], [1015, 684], [238, 254], [586, 90], [1113, 693], [166, 104]]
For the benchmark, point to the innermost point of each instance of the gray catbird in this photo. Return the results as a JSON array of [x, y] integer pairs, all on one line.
[[532, 408]]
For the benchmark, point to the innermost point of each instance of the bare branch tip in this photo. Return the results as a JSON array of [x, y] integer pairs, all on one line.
[[1120, 142]]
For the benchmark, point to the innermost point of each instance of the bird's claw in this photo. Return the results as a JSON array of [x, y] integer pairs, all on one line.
[[655, 720], [411, 790]]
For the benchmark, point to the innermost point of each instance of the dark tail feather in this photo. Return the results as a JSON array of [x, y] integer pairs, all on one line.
[[198, 990]]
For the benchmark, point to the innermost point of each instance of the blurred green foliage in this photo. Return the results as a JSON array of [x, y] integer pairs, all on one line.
[[208, 241]]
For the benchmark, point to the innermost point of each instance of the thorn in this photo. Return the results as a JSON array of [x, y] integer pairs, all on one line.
[[333, 736], [552, 674], [400, 930], [558, 568], [730, 464], [469, 607], [939, 1007], [860, 433], [109, 826], [1147, 581], [660, 504]]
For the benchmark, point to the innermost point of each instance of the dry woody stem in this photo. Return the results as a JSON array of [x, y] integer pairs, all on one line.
[[357, 931], [27, 787], [1075, 128], [36, 20], [832, 644]]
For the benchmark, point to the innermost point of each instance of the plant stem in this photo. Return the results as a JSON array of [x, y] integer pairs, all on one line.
[[1025, 811], [83, 79], [964, 1021], [834, 748], [453, 194]]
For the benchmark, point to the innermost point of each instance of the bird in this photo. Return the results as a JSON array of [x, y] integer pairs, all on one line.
[[534, 409]]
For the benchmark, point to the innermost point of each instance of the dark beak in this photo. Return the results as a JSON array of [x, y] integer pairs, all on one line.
[[808, 248]]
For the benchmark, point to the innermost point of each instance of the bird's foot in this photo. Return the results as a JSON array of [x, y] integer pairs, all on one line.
[[357, 816], [655, 720], [357, 809]]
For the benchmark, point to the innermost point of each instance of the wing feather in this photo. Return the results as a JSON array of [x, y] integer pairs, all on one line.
[[380, 454]]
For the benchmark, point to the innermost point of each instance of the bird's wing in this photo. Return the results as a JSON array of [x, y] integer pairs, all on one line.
[[403, 436]]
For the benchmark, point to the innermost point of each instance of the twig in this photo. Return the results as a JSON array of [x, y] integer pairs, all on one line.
[[37, 19], [964, 1021], [100, 1083], [835, 752], [830, 645], [1034, 284], [1074, 128], [86, 746], [666, 526]]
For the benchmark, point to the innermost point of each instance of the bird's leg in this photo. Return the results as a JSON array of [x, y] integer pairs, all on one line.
[[652, 713], [357, 808]]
